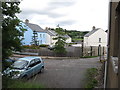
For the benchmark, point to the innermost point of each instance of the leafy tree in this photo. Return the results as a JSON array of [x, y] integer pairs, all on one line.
[[59, 45], [10, 34]]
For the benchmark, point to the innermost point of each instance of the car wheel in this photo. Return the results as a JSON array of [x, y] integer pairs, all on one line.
[[25, 78], [42, 70]]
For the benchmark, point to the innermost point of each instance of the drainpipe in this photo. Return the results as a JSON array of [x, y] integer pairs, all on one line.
[[105, 74], [108, 45]]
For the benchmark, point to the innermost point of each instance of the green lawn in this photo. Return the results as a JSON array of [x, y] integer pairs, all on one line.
[[77, 39], [20, 84], [10, 83], [91, 81]]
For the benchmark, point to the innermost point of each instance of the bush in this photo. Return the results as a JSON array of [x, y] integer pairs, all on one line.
[[31, 47], [43, 45]]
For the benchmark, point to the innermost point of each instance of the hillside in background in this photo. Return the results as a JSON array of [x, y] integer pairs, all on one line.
[[76, 35]]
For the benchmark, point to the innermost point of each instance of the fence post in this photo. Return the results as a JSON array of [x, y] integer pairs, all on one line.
[[103, 51], [90, 50], [82, 49], [99, 51]]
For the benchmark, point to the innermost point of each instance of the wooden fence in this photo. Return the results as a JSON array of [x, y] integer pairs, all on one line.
[[94, 51], [71, 51]]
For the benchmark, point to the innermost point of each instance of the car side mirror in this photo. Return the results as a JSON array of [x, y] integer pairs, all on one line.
[[28, 68]]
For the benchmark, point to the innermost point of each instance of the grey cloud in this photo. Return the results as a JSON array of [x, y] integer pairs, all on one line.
[[67, 22], [61, 3], [49, 9], [42, 12]]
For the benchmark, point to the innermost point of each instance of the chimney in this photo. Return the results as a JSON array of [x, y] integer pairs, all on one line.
[[93, 28], [46, 28], [26, 21]]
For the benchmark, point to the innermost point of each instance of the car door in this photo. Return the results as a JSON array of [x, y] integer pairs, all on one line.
[[38, 65], [30, 70]]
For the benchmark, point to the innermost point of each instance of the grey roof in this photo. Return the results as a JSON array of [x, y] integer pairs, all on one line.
[[91, 32], [67, 36], [35, 27], [51, 32]]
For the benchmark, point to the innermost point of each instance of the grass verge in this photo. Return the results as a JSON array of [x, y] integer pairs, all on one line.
[[10, 83], [91, 80]]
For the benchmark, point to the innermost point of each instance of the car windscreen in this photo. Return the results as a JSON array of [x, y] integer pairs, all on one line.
[[19, 64]]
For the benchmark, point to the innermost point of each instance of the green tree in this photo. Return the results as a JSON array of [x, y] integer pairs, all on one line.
[[34, 38], [59, 45], [10, 34]]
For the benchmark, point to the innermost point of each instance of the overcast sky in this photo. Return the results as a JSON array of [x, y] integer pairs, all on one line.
[[78, 15]]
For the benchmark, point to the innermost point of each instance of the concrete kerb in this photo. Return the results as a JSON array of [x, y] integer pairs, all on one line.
[[45, 57], [59, 58]]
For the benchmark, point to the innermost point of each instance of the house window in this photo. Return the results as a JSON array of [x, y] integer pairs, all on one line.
[[43, 35], [40, 35], [40, 41], [99, 40]]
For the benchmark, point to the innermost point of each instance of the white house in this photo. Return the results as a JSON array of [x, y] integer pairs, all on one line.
[[51, 34], [95, 37]]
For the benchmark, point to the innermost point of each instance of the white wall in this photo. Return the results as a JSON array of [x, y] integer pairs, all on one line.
[[53, 41], [86, 41], [48, 39], [68, 40], [93, 40]]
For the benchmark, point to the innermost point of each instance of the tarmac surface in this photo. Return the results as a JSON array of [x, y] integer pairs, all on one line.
[[65, 73]]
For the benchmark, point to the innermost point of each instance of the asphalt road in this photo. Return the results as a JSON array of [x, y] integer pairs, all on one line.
[[68, 73]]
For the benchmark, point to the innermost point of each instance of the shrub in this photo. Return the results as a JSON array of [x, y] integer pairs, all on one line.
[[43, 45], [31, 47]]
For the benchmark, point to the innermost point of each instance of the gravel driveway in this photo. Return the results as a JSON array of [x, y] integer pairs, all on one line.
[[68, 73]]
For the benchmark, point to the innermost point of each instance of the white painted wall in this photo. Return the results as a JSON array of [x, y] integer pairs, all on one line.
[[53, 41], [93, 40], [68, 40], [48, 39]]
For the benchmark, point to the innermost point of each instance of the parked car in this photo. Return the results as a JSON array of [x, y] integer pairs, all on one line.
[[10, 60], [51, 47], [7, 62], [25, 67]]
